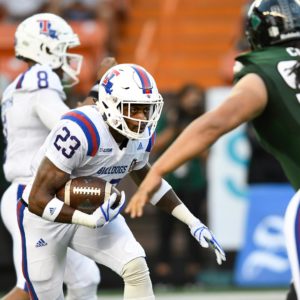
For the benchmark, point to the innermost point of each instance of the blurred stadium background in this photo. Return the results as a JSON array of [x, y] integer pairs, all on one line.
[[179, 42]]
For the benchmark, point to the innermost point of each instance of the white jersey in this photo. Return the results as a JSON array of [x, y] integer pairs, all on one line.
[[82, 145], [31, 105]]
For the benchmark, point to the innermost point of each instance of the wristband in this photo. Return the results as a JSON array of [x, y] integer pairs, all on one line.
[[52, 209], [163, 189], [182, 213], [81, 218], [107, 191]]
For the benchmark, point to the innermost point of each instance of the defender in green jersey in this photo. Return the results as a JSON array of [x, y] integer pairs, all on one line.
[[266, 92], [278, 125]]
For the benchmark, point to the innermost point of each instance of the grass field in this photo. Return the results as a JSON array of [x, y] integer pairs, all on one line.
[[257, 295], [199, 294], [206, 294]]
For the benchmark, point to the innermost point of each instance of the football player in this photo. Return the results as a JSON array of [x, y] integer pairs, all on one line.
[[108, 140], [31, 105], [267, 93]]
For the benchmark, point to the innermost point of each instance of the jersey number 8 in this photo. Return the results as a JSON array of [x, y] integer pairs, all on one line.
[[42, 79]]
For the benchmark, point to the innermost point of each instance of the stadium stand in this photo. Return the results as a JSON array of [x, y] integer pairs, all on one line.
[[180, 41]]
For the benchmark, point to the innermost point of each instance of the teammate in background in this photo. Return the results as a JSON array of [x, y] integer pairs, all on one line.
[[108, 140], [266, 92], [31, 105]]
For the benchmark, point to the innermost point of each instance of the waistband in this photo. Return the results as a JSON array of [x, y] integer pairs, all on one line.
[[22, 180]]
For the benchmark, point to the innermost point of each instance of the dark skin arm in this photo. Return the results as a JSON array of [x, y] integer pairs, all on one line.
[[48, 180], [168, 202]]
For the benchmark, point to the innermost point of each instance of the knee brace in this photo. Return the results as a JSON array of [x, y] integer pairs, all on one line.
[[137, 280]]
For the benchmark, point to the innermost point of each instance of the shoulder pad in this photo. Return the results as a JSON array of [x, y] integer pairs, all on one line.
[[39, 77], [84, 119]]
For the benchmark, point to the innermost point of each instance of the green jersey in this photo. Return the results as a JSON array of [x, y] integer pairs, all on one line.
[[278, 127]]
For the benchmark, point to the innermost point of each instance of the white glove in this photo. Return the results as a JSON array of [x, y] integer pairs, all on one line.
[[206, 239], [105, 213]]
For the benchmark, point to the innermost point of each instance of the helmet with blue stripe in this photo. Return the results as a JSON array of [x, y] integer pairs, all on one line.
[[45, 38], [126, 85]]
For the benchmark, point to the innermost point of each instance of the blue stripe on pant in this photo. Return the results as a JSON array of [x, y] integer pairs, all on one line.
[[20, 212]]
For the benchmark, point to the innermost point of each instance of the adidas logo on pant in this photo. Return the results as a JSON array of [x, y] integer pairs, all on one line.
[[41, 243]]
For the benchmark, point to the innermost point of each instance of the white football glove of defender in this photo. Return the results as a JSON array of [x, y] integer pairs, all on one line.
[[206, 239], [105, 213]]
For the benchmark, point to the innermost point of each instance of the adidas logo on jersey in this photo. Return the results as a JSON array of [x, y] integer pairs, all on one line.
[[40, 243], [140, 146]]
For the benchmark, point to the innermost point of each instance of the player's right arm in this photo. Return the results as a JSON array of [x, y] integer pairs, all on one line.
[[47, 181], [67, 148], [246, 101], [63, 152]]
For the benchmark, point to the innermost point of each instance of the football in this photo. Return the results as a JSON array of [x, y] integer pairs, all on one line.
[[87, 193]]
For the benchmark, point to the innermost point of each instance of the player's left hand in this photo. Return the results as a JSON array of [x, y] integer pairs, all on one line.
[[206, 239], [149, 186]]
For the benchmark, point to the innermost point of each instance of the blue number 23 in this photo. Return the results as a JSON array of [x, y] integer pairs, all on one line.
[[70, 150]]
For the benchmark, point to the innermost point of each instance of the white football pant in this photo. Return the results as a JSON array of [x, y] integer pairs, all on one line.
[[80, 271]]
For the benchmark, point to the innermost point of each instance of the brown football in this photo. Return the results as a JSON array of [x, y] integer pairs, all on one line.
[[87, 193]]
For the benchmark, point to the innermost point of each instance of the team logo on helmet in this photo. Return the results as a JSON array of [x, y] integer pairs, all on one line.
[[107, 84], [45, 28]]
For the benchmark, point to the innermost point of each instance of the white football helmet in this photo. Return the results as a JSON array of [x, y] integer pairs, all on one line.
[[45, 39], [128, 84]]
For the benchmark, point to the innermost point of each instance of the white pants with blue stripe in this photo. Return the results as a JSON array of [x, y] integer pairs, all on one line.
[[292, 235], [80, 271], [9, 217], [45, 244]]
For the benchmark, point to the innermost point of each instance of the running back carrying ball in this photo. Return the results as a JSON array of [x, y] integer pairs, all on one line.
[[87, 193]]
